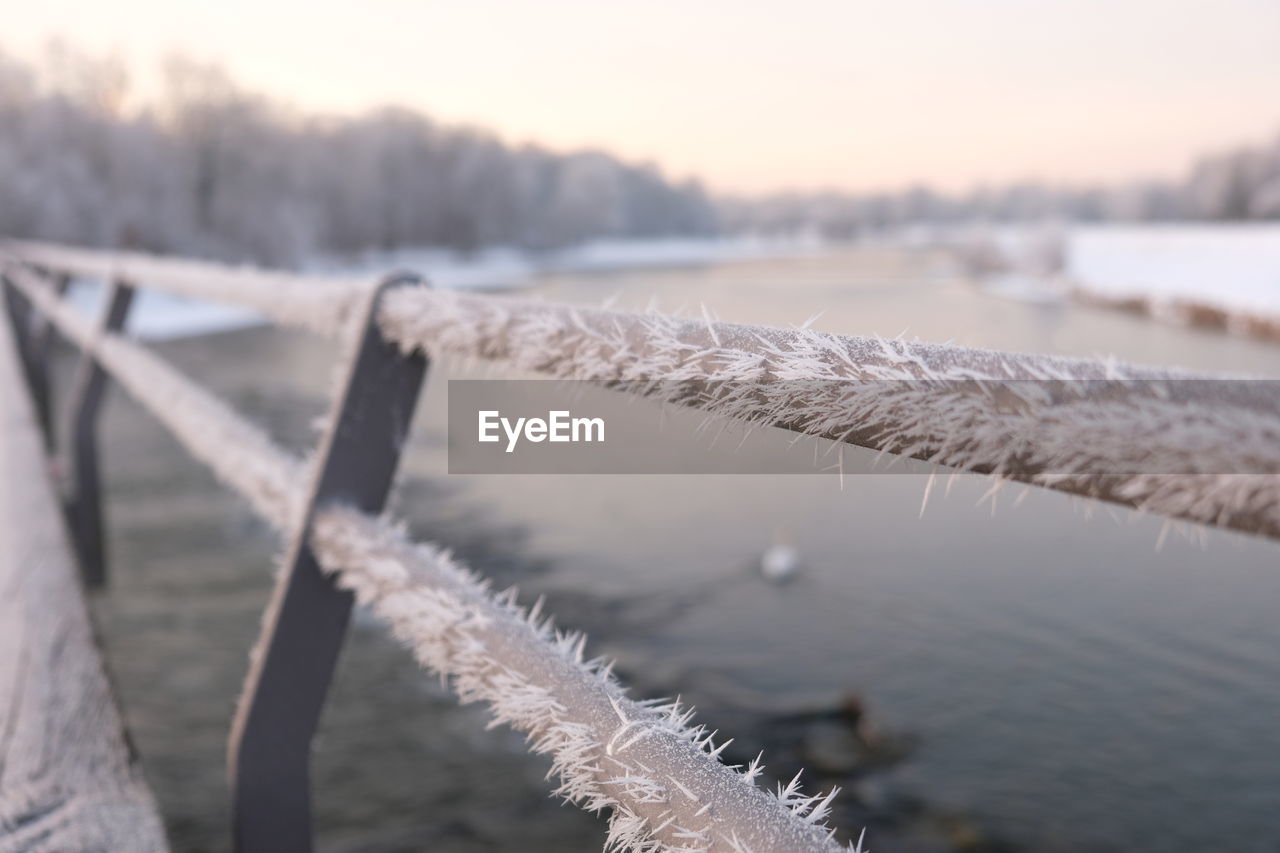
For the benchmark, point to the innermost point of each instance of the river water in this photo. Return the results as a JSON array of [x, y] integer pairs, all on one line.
[[1068, 684]]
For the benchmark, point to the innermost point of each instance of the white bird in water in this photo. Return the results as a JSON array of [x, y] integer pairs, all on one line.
[[780, 560]]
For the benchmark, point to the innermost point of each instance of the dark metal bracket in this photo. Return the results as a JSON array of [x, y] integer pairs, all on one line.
[[40, 343], [306, 620], [33, 335], [84, 498], [20, 318]]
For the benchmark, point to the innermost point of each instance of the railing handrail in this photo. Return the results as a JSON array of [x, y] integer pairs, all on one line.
[[320, 304], [663, 356]]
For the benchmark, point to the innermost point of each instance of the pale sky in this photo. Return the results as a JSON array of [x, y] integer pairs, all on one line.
[[752, 95]]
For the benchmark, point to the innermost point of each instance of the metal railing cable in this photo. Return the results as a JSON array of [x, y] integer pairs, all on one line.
[[1184, 446], [1181, 445], [319, 304], [658, 774], [239, 453]]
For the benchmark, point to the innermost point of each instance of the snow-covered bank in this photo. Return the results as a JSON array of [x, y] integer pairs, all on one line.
[[1199, 275], [158, 316], [507, 269], [1218, 276], [161, 316]]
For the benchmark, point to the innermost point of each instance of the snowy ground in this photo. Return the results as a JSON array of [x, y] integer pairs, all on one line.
[[158, 316], [162, 316], [1232, 267], [506, 269], [1209, 275]]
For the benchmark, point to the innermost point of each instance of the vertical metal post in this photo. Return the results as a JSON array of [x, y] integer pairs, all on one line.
[[18, 310], [302, 633], [20, 317], [40, 342], [84, 505]]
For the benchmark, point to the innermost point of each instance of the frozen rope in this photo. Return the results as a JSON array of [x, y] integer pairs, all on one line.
[[318, 304], [659, 775], [1180, 445]]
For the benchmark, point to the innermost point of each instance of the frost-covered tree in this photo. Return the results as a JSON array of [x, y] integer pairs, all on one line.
[[213, 170], [1236, 185]]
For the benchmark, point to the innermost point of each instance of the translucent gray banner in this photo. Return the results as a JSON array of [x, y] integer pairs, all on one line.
[[1042, 429]]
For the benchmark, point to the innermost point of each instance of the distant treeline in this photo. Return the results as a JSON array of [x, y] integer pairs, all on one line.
[[209, 169], [212, 170], [1234, 186]]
